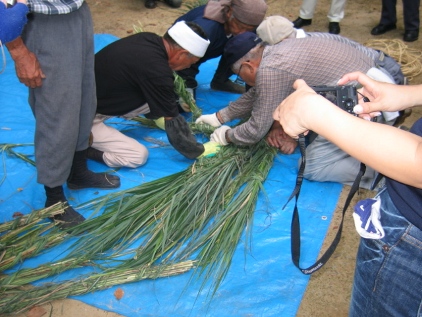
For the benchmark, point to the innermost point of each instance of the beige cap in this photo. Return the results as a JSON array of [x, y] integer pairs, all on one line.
[[274, 29]]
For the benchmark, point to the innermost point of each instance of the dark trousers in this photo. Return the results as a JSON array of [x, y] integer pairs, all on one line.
[[410, 13], [222, 73]]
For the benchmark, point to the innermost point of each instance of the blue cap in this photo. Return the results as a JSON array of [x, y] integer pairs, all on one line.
[[239, 45]]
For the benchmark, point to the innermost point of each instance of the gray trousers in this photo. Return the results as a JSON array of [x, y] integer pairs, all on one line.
[[64, 106]]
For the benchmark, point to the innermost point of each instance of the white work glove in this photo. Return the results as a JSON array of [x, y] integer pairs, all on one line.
[[219, 135], [210, 119]]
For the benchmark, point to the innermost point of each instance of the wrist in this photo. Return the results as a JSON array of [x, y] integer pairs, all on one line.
[[217, 114], [226, 135], [17, 48]]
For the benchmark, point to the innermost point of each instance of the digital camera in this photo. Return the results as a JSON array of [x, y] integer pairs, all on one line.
[[344, 97]]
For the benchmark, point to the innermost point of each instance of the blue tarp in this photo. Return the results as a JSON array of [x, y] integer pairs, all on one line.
[[264, 282]]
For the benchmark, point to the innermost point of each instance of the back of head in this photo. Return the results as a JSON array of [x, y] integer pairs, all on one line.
[[188, 35], [250, 12], [239, 45], [274, 29]]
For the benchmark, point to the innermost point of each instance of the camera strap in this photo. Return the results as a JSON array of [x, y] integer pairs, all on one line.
[[295, 225]]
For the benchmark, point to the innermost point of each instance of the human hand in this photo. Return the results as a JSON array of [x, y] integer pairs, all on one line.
[[210, 119], [297, 111], [27, 67], [219, 135], [382, 96], [160, 123], [280, 140], [211, 148]]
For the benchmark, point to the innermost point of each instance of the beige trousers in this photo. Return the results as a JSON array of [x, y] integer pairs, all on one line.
[[119, 149]]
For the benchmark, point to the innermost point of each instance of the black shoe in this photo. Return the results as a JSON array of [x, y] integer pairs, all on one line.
[[68, 219], [411, 36], [227, 86], [81, 177], [94, 180], [299, 22], [334, 28], [381, 29], [174, 3], [150, 4]]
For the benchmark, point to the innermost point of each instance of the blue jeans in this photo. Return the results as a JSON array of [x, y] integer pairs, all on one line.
[[388, 275]]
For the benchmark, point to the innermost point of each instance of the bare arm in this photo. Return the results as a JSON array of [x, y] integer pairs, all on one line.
[[393, 152]]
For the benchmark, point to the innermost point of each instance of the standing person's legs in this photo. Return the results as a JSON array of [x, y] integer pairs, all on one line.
[[388, 18], [388, 12], [336, 13], [306, 13], [63, 45], [57, 103], [307, 9], [411, 20]]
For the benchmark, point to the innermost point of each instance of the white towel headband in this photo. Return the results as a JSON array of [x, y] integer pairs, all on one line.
[[188, 39]]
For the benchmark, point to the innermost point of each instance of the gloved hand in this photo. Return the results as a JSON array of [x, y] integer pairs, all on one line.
[[211, 148], [160, 123], [219, 135], [210, 119], [183, 104]]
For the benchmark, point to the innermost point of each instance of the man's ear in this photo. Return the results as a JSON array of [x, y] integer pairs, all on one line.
[[182, 54], [228, 11], [248, 66]]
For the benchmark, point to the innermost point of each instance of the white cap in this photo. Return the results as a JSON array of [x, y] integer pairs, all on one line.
[[183, 35]]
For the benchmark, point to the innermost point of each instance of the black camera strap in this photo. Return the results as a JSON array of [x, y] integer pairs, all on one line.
[[295, 225]]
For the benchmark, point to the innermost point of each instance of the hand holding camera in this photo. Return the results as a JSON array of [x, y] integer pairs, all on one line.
[[345, 97]]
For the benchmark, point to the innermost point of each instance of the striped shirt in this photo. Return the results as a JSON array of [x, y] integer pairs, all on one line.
[[319, 60], [54, 6]]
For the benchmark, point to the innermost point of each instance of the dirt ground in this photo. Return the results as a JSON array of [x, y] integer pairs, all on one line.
[[329, 289]]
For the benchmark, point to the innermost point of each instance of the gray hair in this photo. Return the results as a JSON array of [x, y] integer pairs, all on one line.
[[254, 53]]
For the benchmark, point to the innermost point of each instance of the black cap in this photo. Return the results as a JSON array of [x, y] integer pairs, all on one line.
[[239, 45]]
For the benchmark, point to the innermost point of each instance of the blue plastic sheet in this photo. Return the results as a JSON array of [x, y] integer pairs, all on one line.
[[262, 282]]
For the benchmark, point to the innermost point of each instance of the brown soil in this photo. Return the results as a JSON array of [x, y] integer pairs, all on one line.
[[329, 289]]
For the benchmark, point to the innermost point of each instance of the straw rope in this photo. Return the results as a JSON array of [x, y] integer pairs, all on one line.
[[409, 59]]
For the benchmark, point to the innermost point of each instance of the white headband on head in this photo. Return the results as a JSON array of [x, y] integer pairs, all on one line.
[[188, 39]]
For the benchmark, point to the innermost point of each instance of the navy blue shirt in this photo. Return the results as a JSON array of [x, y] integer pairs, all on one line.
[[213, 29], [408, 199]]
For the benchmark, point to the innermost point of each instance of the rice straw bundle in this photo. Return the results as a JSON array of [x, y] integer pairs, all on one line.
[[205, 208], [409, 59], [17, 301], [25, 236]]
